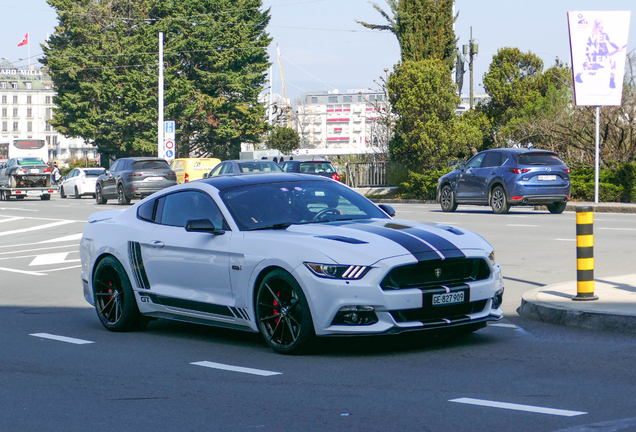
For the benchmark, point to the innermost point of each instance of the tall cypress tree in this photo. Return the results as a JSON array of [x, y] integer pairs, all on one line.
[[104, 64]]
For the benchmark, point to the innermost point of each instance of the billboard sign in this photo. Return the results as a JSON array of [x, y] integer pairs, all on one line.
[[598, 42]]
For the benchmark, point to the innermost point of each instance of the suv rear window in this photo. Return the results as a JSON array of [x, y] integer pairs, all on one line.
[[31, 161], [539, 159], [150, 165]]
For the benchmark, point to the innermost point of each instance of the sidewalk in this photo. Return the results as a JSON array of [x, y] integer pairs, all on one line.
[[615, 309]]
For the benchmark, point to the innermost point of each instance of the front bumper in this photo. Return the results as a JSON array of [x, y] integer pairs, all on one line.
[[395, 311]]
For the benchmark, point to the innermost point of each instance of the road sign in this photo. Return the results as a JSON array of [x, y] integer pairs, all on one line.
[[169, 127], [169, 145], [169, 154]]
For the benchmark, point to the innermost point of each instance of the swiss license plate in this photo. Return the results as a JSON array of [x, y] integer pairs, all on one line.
[[34, 171], [153, 179], [547, 177], [449, 298]]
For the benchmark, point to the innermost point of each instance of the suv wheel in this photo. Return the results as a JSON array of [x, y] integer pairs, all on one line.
[[447, 199], [499, 201], [557, 207], [122, 199]]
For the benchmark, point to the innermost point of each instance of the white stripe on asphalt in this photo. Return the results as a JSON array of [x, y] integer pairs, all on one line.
[[61, 338], [519, 225], [35, 228], [39, 249], [17, 209], [235, 368], [32, 273], [502, 325], [517, 407], [570, 240], [618, 229], [65, 238], [11, 219]]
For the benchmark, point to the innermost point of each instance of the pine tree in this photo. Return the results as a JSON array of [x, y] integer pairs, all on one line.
[[104, 64]]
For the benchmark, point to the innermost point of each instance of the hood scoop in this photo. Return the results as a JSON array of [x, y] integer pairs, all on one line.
[[342, 239]]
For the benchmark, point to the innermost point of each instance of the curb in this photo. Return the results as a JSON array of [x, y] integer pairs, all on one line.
[[573, 318]]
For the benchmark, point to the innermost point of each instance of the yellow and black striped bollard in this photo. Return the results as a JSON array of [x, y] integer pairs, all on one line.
[[585, 254]]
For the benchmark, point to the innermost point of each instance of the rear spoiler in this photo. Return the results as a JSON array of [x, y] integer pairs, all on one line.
[[104, 215]]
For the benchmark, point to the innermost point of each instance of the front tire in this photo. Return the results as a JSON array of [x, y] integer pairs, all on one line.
[[77, 194], [447, 199], [62, 194], [557, 207], [115, 302], [499, 201], [99, 198], [122, 199], [282, 313]]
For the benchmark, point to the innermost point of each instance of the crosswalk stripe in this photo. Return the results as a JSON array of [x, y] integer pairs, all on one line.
[[518, 407]]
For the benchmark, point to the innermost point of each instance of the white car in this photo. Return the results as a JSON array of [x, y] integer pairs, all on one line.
[[80, 182], [292, 256]]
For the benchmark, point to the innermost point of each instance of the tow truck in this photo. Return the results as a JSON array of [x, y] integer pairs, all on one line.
[[24, 184]]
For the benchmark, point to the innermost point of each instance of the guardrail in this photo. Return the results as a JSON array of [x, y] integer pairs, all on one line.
[[366, 174]]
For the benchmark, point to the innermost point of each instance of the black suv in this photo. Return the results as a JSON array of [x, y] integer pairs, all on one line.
[[131, 178]]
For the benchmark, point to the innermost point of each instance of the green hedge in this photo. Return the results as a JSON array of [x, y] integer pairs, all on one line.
[[422, 186]]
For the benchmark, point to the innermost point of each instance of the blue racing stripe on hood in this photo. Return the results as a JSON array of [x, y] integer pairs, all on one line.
[[445, 247], [420, 250]]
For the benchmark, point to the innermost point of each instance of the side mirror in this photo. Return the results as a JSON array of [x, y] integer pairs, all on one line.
[[203, 225], [387, 209], [462, 166], [205, 175]]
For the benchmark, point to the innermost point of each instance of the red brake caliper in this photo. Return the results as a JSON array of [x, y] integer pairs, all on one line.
[[275, 311]]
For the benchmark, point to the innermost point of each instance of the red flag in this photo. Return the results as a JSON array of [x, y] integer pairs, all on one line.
[[25, 40]]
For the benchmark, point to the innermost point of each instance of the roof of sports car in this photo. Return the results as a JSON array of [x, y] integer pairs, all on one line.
[[230, 181]]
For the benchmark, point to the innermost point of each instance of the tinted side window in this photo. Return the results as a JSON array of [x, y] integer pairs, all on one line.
[[115, 166], [181, 207], [475, 162], [146, 211], [217, 170], [492, 159]]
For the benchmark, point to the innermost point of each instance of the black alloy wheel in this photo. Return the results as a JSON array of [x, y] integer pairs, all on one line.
[[447, 199], [499, 201], [114, 298], [77, 195], [99, 198], [122, 199], [282, 313], [557, 207], [62, 194]]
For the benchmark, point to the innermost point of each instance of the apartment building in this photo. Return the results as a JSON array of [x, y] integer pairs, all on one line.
[[26, 106]]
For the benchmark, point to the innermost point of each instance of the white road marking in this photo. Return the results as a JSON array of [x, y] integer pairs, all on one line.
[[18, 209], [235, 368], [11, 219], [36, 228], [63, 268], [519, 225], [65, 238], [22, 271], [38, 249], [570, 240], [53, 258], [518, 407], [618, 229], [502, 325], [62, 338]]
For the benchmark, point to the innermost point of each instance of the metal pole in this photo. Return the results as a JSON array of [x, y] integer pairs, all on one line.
[[470, 66], [598, 152], [161, 151]]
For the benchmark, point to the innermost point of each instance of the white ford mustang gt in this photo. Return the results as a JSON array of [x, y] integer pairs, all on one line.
[[291, 256]]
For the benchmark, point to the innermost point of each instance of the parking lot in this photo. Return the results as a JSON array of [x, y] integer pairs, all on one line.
[[62, 371]]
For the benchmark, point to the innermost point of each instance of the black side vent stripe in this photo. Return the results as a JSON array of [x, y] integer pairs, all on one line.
[[191, 305], [137, 264], [240, 313]]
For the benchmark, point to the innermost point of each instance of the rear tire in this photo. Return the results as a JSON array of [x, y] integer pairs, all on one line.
[[499, 201], [77, 195], [46, 197], [122, 199], [13, 182], [99, 198], [557, 207], [447, 199]]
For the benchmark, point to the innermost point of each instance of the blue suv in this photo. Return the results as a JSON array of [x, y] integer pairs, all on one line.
[[507, 177]]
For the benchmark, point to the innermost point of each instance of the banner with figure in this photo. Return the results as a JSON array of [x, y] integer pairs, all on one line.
[[598, 42]]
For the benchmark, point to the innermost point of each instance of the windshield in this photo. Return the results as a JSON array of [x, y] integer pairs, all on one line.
[[248, 167], [278, 205]]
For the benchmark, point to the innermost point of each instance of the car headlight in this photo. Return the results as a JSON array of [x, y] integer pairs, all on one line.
[[349, 272], [491, 257]]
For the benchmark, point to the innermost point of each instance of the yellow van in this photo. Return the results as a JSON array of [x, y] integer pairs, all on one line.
[[190, 169]]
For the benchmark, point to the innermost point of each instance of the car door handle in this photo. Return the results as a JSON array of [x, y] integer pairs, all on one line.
[[157, 244]]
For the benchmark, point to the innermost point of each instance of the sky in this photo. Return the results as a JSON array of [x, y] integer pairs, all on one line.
[[322, 48]]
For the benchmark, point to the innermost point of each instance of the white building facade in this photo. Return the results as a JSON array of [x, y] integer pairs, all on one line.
[[340, 123], [26, 106]]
